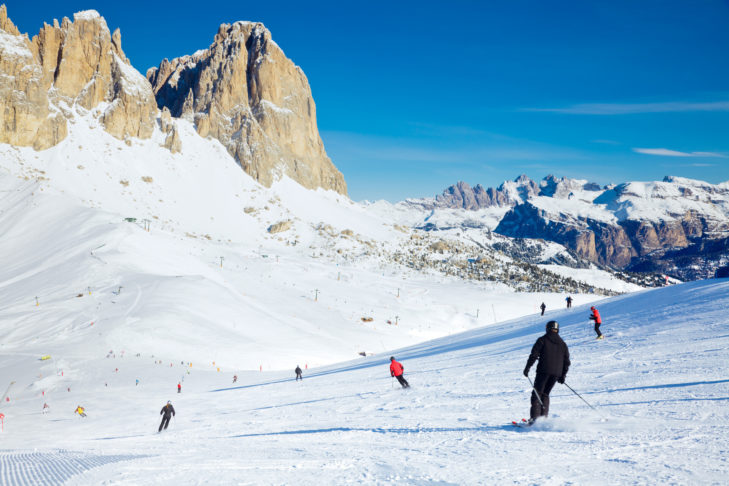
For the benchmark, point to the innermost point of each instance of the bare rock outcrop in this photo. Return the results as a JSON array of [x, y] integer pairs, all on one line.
[[280, 226], [245, 92], [73, 64], [27, 119], [172, 142], [616, 245]]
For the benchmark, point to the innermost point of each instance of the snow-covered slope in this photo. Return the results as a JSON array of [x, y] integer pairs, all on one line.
[[120, 261], [658, 383], [211, 266]]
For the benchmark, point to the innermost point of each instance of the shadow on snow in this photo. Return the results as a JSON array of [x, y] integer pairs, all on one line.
[[381, 430]]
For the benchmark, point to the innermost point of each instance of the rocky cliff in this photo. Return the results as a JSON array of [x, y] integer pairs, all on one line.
[[243, 91], [69, 68], [642, 226], [509, 193]]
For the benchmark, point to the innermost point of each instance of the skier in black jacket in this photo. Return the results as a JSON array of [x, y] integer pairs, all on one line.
[[167, 410], [554, 361], [298, 373]]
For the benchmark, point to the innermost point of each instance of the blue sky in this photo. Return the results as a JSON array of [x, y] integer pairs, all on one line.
[[414, 96]]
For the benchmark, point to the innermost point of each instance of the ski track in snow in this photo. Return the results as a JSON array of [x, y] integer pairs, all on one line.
[[48, 468]]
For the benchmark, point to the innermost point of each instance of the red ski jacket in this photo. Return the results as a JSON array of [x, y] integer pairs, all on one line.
[[396, 368], [596, 316]]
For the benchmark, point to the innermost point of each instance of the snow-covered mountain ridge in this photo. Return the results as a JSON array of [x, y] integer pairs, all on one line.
[[671, 226]]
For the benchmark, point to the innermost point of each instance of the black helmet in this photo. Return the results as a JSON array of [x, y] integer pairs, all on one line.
[[392, 358], [553, 326]]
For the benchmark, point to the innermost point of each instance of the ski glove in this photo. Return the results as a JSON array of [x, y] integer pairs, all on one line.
[[526, 372], [560, 380]]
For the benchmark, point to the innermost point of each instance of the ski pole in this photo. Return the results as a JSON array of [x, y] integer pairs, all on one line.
[[535, 392], [580, 397]]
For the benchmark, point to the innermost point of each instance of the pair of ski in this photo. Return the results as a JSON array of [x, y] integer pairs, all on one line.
[[523, 423]]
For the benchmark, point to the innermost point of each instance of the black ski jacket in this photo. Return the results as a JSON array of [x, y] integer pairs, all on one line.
[[167, 410], [553, 355], [297, 370]]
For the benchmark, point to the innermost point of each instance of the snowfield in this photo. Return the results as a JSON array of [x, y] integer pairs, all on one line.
[[125, 270], [658, 382]]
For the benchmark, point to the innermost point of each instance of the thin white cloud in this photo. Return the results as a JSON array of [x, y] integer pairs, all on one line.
[[675, 153], [634, 108]]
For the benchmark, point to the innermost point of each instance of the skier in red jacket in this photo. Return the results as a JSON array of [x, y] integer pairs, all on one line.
[[598, 320], [397, 370]]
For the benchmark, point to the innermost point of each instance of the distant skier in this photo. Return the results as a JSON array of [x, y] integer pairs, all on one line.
[[136, 382], [569, 301], [235, 378], [46, 408], [179, 388], [80, 410], [166, 411], [397, 370], [554, 361], [598, 320], [543, 307], [298, 373]]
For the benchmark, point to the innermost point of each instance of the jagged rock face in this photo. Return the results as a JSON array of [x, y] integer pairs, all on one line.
[[26, 117], [630, 225], [616, 245], [462, 196], [74, 64], [243, 91]]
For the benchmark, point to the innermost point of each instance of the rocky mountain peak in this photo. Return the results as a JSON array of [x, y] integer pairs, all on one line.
[[244, 91], [75, 64], [5, 23]]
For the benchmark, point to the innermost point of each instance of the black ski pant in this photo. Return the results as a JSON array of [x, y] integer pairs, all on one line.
[[403, 381], [542, 311], [543, 384], [165, 422], [597, 329], [299, 377]]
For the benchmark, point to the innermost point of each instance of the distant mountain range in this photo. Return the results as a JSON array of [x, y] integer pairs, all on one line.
[[676, 226]]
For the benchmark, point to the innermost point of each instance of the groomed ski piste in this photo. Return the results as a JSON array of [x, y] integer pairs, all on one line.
[[658, 382], [107, 303]]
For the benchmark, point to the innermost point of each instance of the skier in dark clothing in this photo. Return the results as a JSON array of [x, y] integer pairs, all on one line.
[[167, 410], [569, 301], [298, 373], [598, 320], [543, 307], [397, 370], [554, 361]]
